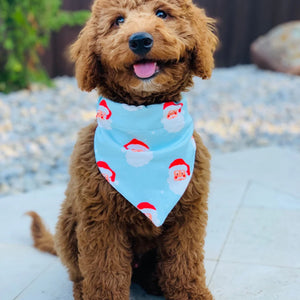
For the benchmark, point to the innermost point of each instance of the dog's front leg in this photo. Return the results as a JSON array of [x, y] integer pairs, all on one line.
[[104, 260], [181, 266]]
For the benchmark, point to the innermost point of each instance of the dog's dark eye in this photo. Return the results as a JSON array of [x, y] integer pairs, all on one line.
[[161, 14], [119, 20]]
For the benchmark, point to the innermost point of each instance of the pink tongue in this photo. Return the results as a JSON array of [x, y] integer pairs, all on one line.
[[144, 70]]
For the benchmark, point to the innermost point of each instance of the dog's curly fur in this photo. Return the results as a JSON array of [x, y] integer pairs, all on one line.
[[101, 238]]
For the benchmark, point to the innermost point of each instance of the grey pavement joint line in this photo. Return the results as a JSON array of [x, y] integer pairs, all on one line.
[[32, 281], [249, 182]]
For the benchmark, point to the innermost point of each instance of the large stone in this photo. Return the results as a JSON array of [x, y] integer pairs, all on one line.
[[279, 49]]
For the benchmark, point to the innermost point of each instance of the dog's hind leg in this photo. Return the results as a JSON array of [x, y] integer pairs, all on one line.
[[66, 244]]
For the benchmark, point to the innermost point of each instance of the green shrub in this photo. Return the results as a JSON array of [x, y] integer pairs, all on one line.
[[25, 29]]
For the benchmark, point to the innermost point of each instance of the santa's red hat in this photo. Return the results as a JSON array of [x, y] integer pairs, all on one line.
[[180, 162], [104, 165], [135, 142], [103, 106], [169, 105], [146, 205]]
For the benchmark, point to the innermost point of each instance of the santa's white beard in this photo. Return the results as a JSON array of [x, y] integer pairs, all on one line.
[[151, 214], [178, 187], [105, 123], [173, 125], [132, 107], [138, 159]]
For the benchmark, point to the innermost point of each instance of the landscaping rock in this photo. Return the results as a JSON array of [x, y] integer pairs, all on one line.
[[279, 50]]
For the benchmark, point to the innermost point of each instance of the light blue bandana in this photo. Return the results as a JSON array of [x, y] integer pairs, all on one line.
[[146, 153]]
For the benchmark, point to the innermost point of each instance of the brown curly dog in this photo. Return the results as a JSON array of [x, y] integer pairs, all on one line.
[[103, 240]]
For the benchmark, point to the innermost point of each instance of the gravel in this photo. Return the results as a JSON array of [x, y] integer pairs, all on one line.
[[240, 107]]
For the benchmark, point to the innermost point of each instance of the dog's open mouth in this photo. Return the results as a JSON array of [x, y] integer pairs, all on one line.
[[145, 69]]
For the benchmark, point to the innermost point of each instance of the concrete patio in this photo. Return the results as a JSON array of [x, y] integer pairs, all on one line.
[[253, 234]]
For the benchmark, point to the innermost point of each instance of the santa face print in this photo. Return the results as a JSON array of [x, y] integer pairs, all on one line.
[[138, 153], [172, 114], [104, 123], [179, 174], [106, 175], [103, 115], [173, 119], [149, 211], [107, 172]]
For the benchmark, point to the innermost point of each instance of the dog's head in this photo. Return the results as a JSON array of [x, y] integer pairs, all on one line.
[[142, 49]]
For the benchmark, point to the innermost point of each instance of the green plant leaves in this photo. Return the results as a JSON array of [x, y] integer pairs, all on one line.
[[25, 29]]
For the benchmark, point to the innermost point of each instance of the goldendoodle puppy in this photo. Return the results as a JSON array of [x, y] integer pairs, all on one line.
[[136, 203]]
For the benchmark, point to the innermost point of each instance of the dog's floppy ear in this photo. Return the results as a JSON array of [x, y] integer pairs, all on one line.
[[205, 43], [87, 63]]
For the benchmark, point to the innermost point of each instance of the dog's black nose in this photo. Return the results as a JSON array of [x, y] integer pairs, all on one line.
[[141, 43]]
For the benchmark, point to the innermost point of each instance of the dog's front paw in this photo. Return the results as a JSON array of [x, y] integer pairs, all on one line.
[[203, 294]]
